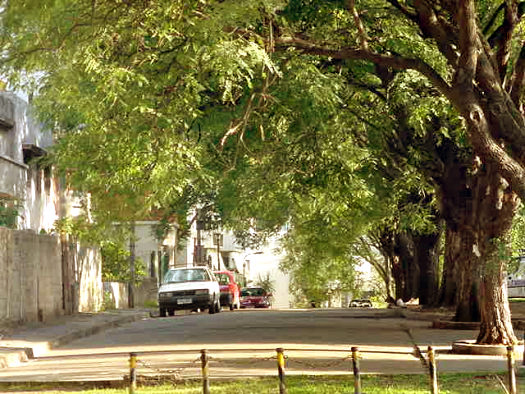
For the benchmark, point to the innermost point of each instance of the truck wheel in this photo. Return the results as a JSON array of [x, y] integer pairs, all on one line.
[[162, 312], [171, 312], [211, 309]]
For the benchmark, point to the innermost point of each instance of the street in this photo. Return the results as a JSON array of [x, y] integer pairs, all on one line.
[[244, 342]]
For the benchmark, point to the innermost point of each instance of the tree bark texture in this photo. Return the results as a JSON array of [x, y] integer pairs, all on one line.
[[427, 252], [496, 326], [448, 289], [413, 260], [477, 207], [481, 265]]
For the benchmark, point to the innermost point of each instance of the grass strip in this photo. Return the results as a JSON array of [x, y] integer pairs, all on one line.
[[462, 383]]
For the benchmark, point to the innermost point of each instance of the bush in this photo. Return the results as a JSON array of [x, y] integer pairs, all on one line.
[[8, 213]]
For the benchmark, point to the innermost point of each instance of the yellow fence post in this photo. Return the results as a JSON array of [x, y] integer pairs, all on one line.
[[510, 367], [132, 372], [204, 368], [357, 375], [280, 367], [432, 370]]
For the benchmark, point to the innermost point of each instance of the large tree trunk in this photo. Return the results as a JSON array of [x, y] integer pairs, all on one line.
[[409, 267], [478, 209], [413, 260], [496, 327], [427, 252], [448, 289], [460, 193], [494, 209], [468, 278]]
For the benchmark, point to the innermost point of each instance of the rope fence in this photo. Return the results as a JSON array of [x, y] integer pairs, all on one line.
[[351, 362]]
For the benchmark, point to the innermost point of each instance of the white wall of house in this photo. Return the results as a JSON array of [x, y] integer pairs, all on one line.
[[267, 263], [34, 187], [42, 267], [147, 247], [146, 244]]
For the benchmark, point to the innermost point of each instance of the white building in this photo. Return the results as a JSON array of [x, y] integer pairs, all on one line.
[[157, 255], [267, 264], [55, 275], [27, 185]]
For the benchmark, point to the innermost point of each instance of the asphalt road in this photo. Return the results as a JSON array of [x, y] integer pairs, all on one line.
[[244, 342]]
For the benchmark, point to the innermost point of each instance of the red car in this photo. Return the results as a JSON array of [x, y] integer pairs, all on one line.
[[255, 297], [229, 289]]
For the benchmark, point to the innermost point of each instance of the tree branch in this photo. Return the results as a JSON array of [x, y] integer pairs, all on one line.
[[359, 24], [490, 151], [516, 86], [393, 61], [493, 18], [404, 10], [468, 45], [432, 26], [504, 45]]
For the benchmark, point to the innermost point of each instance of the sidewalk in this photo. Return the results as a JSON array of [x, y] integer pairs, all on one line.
[[33, 339]]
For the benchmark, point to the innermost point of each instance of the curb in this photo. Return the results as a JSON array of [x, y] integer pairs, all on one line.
[[14, 356], [95, 329]]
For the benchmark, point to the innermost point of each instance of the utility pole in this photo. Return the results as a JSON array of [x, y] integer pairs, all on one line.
[[131, 284], [217, 238], [198, 248]]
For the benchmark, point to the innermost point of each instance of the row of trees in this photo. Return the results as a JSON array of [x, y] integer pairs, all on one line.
[[363, 125]]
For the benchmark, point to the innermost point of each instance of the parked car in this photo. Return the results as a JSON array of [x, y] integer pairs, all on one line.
[[360, 303], [255, 297], [190, 289], [230, 293]]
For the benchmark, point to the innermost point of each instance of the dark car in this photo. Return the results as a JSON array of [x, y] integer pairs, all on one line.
[[360, 303], [255, 297]]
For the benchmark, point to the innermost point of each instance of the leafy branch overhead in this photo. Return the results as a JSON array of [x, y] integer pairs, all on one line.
[[342, 120]]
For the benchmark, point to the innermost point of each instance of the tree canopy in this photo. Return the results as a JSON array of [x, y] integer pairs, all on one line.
[[331, 116]]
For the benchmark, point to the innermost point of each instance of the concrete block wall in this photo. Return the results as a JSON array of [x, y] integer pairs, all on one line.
[[90, 279], [7, 277], [516, 292], [118, 293], [30, 276], [145, 293]]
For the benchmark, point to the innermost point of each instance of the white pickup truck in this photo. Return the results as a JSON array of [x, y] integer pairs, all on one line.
[[190, 289]]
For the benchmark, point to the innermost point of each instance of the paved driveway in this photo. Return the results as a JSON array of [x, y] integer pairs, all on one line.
[[243, 343]]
